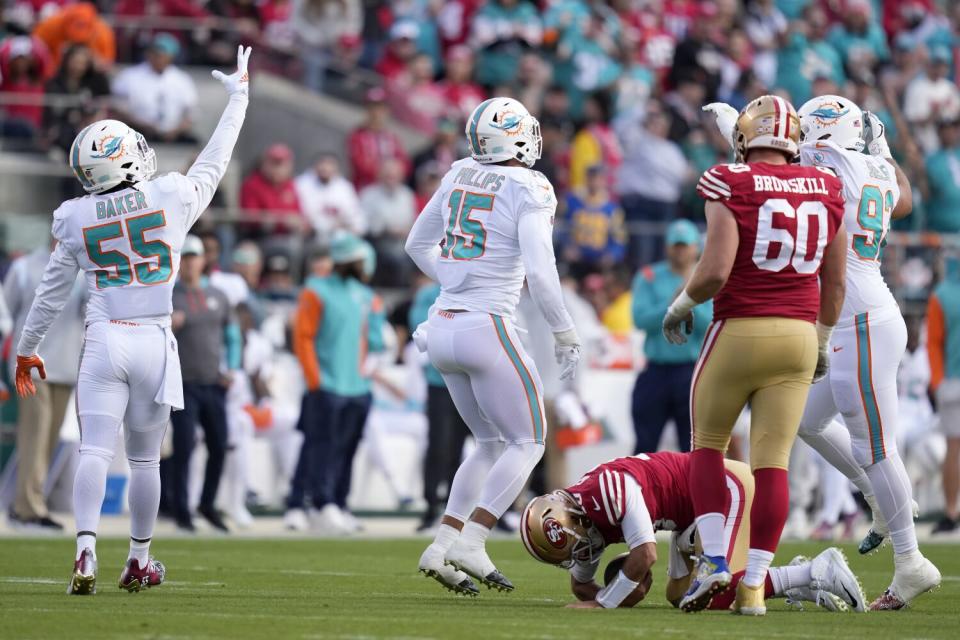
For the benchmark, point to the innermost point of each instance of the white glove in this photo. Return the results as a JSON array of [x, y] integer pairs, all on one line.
[[239, 80], [567, 351], [680, 314], [876, 135], [824, 333], [726, 119]]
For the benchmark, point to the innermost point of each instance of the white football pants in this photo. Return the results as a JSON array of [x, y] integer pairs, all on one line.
[[497, 390]]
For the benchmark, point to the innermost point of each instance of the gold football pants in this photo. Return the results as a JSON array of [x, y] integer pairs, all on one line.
[[766, 362]]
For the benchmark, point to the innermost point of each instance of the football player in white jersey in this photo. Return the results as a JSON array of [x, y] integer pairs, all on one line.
[[125, 236], [489, 226], [870, 337]]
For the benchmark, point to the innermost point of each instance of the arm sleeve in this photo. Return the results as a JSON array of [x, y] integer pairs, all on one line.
[[423, 243], [636, 524], [375, 342], [211, 164], [233, 345], [935, 340], [647, 312], [55, 286], [306, 323], [535, 234]]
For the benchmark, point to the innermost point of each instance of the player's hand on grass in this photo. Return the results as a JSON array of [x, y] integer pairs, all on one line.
[[726, 118], [237, 82], [23, 377], [567, 352], [677, 327]]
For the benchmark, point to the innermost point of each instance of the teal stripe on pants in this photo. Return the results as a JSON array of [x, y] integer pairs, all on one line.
[[528, 386], [865, 379]]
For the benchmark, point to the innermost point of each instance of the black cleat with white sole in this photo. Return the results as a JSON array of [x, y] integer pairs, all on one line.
[[498, 581], [465, 587]]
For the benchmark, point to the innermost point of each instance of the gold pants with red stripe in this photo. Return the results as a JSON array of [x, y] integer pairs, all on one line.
[[766, 362]]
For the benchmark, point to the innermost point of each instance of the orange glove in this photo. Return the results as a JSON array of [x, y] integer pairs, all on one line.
[[26, 364]]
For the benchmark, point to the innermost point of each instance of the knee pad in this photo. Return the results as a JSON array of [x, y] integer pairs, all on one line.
[[770, 449], [866, 452], [143, 446], [532, 450], [812, 427], [489, 449], [98, 435]]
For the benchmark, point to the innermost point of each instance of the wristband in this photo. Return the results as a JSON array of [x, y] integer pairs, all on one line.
[[567, 338], [823, 334], [683, 305], [616, 592]]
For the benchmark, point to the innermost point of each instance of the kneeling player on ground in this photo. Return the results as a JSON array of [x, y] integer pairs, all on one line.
[[627, 500]]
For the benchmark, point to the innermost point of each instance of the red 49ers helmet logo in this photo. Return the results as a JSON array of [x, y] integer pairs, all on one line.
[[555, 534]]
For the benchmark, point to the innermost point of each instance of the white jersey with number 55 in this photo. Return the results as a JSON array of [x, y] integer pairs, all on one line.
[[495, 223], [127, 243], [871, 193]]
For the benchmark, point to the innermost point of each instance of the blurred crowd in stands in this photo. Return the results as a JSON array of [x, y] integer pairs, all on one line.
[[617, 85]]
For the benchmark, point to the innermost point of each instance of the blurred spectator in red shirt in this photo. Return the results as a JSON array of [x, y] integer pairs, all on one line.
[[460, 93], [371, 143], [401, 49], [276, 22], [24, 65], [454, 20], [269, 189], [416, 99], [78, 77], [78, 24]]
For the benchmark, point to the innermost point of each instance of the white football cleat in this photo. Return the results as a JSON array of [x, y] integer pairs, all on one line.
[[798, 595], [476, 563], [913, 575], [295, 520], [831, 573], [433, 566], [242, 518]]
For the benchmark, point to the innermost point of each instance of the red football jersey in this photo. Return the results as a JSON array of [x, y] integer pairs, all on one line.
[[786, 216], [663, 480]]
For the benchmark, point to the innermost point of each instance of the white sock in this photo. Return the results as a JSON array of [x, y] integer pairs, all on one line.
[[89, 487], [143, 499], [785, 578], [508, 476], [710, 527], [894, 495], [446, 536], [474, 535], [758, 561], [470, 478], [833, 443], [139, 551]]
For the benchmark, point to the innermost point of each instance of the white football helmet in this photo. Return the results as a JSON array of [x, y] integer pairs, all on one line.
[[834, 118], [109, 152], [502, 129]]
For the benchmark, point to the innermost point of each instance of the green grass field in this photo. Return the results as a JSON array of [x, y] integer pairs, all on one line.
[[276, 589]]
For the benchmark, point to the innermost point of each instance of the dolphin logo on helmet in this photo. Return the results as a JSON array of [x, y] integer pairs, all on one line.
[[110, 147]]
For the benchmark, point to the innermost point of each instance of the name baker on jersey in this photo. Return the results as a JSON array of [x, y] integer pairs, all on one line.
[[793, 185], [484, 180], [121, 205]]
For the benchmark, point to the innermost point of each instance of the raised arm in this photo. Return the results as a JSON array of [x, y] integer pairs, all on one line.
[[877, 145], [211, 164]]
